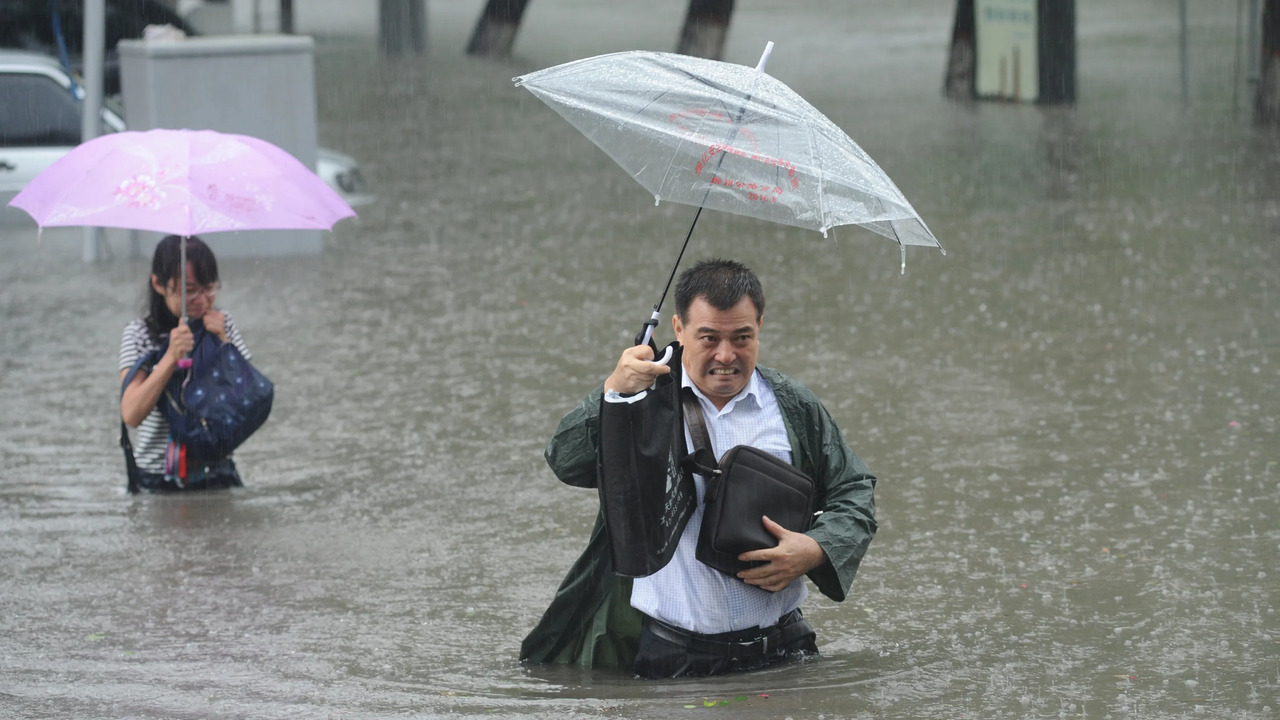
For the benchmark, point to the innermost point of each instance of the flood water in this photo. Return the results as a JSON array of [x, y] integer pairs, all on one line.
[[1073, 414]]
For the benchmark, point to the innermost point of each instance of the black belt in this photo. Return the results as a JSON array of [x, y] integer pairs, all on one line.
[[754, 643]]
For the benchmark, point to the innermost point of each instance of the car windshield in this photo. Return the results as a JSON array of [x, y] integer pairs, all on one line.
[[37, 112]]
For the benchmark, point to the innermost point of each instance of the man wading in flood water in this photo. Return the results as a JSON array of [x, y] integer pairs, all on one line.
[[688, 618]]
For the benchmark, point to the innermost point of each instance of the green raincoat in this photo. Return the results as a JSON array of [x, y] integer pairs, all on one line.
[[591, 622]]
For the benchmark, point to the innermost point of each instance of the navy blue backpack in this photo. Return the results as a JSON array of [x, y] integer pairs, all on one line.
[[211, 407]]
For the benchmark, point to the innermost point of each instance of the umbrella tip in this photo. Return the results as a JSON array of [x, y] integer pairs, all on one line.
[[764, 57]]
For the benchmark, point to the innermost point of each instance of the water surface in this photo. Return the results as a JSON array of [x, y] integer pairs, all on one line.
[[1073, 413]]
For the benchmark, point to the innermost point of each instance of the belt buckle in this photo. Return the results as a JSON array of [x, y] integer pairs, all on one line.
[[746, 647]]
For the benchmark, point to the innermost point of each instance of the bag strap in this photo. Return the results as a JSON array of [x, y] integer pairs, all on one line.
[[703, 459], [130, 462]]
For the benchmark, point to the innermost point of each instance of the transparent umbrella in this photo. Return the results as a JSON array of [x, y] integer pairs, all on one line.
[[728, 137]]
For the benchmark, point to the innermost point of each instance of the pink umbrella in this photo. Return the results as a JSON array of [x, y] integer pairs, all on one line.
[[181, 182]]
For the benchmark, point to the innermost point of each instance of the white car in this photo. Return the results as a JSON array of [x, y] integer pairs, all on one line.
[[40, 122]]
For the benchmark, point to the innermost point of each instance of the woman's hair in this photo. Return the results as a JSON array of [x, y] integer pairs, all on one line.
[[165, 267]]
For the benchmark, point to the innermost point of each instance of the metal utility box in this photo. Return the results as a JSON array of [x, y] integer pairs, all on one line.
[[259, 85]]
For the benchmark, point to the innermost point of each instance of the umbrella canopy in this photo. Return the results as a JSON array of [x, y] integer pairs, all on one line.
[[181, 182], [728, 137]]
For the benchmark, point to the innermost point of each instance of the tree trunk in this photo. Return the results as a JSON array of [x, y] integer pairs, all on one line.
[[495, 32], [1267, 102], [286, 17], [1057, 52], [705, 27], [401, 27], [961, 75]]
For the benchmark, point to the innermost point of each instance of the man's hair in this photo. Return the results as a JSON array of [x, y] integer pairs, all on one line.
[[722, 283]]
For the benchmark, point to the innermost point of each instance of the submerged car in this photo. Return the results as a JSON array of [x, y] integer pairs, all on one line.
[[40, 122], [56, 28]]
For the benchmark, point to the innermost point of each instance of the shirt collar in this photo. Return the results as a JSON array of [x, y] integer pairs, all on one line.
[[749, 393]]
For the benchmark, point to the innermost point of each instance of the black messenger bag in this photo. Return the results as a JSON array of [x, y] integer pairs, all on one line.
[[746, 484]]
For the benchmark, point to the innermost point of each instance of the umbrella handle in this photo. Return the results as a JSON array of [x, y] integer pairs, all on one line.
[[666, 357], [647, 334], [185, 363], [645, 337]]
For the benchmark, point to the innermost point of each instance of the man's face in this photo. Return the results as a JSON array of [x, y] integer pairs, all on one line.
[[720, 347]]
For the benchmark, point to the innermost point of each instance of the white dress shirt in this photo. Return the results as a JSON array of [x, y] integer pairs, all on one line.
[[689, 594]]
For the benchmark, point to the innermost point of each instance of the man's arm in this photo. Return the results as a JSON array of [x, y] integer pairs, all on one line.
[[571, 452], [830, 552], [846, 487], [847, 523]]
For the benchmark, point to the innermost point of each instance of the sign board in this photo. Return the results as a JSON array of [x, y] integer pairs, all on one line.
[[1007, 49]]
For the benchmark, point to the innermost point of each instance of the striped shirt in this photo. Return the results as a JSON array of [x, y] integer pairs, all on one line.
[[688, 594], [153, 432]]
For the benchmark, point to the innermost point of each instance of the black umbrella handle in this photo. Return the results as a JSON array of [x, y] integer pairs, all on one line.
[[645, 336]]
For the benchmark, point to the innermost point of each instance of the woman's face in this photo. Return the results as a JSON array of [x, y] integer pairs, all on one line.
[[199, 297]]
